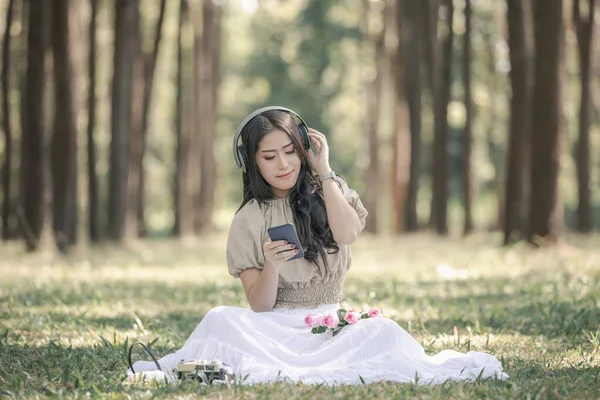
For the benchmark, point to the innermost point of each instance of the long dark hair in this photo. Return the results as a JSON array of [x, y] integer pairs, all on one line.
[[306, 197]]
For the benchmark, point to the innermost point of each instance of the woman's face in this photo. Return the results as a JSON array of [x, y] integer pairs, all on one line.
[[278, 162]]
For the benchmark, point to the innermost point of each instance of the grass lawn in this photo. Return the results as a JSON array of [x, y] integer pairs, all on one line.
[[65, 322]]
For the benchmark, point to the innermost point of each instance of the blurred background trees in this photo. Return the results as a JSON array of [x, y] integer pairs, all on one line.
[[447, 115]]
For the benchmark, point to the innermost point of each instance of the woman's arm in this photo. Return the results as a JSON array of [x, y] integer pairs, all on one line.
[[261, 285], [342, 217]]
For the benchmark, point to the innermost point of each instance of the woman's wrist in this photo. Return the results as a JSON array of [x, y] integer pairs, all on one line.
[[327, 176], [323, 172]]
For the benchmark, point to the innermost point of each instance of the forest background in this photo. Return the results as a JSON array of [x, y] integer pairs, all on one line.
[[118, 117]]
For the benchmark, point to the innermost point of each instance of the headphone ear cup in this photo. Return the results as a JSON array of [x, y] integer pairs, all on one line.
[[242, 157], [304, 134]]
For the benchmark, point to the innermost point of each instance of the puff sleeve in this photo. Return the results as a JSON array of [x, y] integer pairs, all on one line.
[[353, 199], [245, 240]]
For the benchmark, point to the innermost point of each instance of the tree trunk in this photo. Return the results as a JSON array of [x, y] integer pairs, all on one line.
[[183, 192], [413, 91], [78, 57], [401, 157], [22, 71], [7, 166], [467, 134], [544, 207], [584, 32], [494, 120], [216, 65], [519, 25], [149, 68], [137, 105], [32, 145], [430, 12], [204, 116], [64, 138], [374, 90], [207, 109], [196, 124], [47, 235], [440, 145], [93, 207], [125, 14]]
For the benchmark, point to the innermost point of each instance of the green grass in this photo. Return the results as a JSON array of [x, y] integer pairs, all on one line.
[[65, 323]]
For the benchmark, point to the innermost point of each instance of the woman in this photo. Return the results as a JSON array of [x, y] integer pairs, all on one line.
[[285, 182]]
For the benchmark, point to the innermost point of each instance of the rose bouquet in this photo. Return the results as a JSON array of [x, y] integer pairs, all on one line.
[[336, 320]]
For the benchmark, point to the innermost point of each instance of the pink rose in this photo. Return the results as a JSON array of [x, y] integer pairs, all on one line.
[[331, 320], [312, 320], [374, 312], [352, 317]]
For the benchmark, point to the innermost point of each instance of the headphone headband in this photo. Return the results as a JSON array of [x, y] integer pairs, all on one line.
[[236, 148]]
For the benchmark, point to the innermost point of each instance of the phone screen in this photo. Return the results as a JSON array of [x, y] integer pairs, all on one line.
[[288, 233]]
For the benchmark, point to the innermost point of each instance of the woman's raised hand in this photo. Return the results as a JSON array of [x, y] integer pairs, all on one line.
[[278, 252], [320, 162]]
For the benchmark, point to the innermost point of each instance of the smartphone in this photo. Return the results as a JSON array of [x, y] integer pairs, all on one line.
[[288, 233]]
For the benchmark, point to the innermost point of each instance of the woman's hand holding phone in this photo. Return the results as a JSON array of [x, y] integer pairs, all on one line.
[[278, 252]]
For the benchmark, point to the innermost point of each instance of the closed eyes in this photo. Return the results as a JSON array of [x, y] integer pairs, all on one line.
[[287, 152]]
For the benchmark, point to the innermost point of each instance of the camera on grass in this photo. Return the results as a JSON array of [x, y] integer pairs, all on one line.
[[205, 371]]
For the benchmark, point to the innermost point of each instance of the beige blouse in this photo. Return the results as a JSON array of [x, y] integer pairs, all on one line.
[[301, 283]]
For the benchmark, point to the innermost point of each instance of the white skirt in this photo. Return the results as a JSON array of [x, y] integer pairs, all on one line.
[[277, 346]]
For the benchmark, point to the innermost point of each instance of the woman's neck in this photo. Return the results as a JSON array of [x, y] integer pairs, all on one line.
[[280, 194]]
